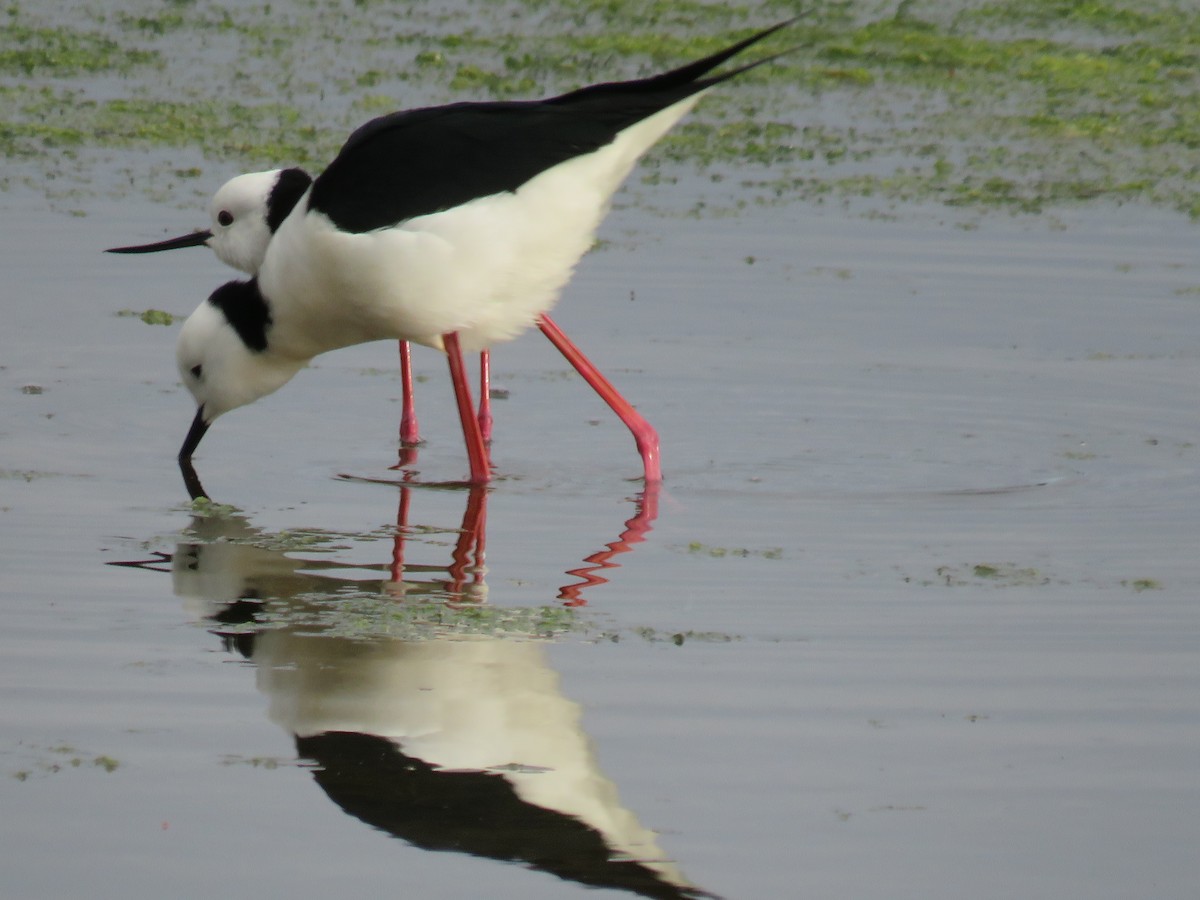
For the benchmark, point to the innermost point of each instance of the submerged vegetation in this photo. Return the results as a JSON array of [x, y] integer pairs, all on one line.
[[149, 316], [44, 761], [1015, 104]]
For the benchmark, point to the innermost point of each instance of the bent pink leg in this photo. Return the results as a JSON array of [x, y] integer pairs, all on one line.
[[485, 395], [410, 433], [644, 434], [476, 449]]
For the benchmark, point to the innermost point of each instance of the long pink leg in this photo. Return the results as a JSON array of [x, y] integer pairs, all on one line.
[[410, 433], [485, 395], [476, 449], [644, 434]]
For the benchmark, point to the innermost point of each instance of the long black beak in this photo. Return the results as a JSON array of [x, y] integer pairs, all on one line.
[[194, 436], [195, 239], [190, 479]]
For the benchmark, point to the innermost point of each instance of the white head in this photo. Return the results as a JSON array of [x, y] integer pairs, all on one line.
[[245, 212], [239, 234], [223, 356]]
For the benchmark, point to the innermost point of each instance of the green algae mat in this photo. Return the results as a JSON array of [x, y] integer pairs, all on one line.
[[1021, 105]]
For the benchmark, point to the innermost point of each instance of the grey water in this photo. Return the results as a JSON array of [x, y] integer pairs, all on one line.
[[915, 613]]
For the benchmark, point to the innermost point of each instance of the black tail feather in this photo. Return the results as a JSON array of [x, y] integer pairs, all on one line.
[[684, 76]]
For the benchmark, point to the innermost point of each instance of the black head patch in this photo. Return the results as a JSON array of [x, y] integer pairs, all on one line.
[[289, 188], [246, 309]]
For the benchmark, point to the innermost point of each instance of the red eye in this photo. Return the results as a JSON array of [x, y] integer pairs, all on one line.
[[225, 218]]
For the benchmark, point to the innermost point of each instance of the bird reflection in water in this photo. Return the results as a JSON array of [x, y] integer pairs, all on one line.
[[449, 735]]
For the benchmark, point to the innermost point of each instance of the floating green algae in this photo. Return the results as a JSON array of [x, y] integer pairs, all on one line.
[[63, 50], [149, 316]]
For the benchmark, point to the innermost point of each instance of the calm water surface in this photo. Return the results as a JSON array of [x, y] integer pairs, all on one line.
[[915, 614]]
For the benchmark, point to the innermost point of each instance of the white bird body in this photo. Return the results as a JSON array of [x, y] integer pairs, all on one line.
[[485, 269]]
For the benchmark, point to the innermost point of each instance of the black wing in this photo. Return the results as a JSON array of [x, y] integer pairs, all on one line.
[[423, 161]]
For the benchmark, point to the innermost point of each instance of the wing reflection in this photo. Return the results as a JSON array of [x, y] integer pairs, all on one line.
[[462, 745], [456, 741]]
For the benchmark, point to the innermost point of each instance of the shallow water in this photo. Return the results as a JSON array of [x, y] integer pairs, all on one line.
[[914, 614], [916, 617]]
